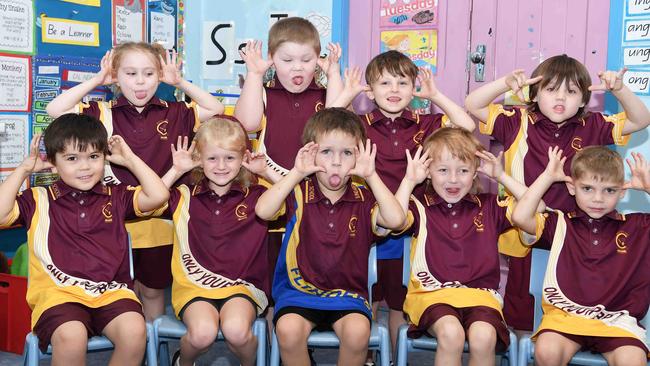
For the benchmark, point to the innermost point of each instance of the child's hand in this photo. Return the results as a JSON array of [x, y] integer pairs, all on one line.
[[610, 81], [121, 153], [182, 155], [365, 166], [331, 62], [417, 168], [517, 80], [34, 163], [252, 56], [255, 162], [353, 81], [105, 74], [171, 69], [306, 160], [491, 165], [640, 173], [555, 166], [428, 89]]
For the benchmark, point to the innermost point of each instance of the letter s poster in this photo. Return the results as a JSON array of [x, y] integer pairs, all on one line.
[[408, 13]]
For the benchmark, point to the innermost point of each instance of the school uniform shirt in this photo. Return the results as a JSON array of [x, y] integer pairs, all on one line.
[[219, 244], [597, 280], [323, 261], [149, 135], [285, 117], [78, 244], [454, 253], [392, 139]]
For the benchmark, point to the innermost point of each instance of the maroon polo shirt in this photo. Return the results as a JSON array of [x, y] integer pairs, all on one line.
[[462, 238], [543, 133], [225, 236], [393, 138], [148, 133], [604, 261], [86, 236], [286, 116], [335, 239]]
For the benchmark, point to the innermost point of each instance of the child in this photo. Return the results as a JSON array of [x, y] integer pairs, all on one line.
[[560, 88], [79, 282], [452, 292], [148, 125], [597, 282], [391, 78], [220, 256], [321, 276]]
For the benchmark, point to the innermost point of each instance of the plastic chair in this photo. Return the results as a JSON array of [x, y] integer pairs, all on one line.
[[379, 337], [32, 354], [405, 345], [526, 346]]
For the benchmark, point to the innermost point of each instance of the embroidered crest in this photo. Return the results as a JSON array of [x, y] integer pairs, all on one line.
[[161, 128], [478, 222], [107, 212], [576, 143], [352, 226], [241, 212], [621, 246]]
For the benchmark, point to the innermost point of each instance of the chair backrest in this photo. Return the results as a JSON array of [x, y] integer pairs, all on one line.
[[372, 270], [406, 266], [537, 272], [131, 272]]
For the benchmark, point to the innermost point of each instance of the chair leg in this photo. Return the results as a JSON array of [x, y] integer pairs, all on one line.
[[384, 348], [31, 353], [259, 329], [152, 358], [275, 350], [401, 353], [163, 353], [524, 351]]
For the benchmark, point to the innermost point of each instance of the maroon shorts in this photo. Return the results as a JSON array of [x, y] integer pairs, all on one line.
[[518, 304], [389, 283], [466, 316], [600, 344], [153, 266], [94, 319]]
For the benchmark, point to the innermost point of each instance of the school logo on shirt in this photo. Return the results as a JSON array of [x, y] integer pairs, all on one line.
[[352, 226], [576, 143], [621, 246], [240, 211], [478, 222], [418, 137], [161, 128], [107, 212]]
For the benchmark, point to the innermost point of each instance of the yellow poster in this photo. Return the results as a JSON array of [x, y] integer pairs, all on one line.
[[421, 46], [85, 2], [72, 32]]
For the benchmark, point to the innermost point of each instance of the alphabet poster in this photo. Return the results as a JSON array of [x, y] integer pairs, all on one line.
[[15, 83], [14, 139], [636, 47], [17, 26]]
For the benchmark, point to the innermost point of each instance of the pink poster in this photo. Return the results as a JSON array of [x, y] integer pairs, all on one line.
[[408, 13]]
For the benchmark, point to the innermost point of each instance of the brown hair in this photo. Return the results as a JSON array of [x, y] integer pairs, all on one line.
[[155, 51], [293, 29], [393, 62], [558, 70], [598, 162], [226, 134], [333, 119], [460, 143], [80, 130]]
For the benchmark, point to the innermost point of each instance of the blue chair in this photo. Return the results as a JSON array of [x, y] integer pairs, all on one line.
[[526, 346], [32, 354], [406, 344], [379, 337], [167, 327]]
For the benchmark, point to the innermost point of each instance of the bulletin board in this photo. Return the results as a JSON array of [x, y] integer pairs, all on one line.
[[213, 38], [629, 46]]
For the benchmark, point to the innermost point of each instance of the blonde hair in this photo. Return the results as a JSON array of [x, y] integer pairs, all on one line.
[[224, 133], [293, 29], [598, 162], [460, 143], [155, 51]]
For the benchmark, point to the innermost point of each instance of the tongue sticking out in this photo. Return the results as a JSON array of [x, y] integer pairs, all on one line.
[[453, 190], [297, 80], [334, 180], [141, 94]]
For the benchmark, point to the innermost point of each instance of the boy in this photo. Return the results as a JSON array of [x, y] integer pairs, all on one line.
[[597, 281], [555, 115], [391, 78], [322, 271], [79, 262]]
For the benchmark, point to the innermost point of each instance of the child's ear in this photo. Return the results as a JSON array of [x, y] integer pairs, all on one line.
[[370, 94], [570, 187]]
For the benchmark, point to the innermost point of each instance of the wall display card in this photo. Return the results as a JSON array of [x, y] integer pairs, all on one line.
[[4, 174], [408, 13], [637, 30], [162, 22], [216, 65], [15, 83], [17, 26], [96, 3], [70, 32], [14, 139], [128, 21], [638, 7], [637, 81], [636, 56], [420, 45]]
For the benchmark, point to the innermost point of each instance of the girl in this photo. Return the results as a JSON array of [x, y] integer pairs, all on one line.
[[219, 258], [556, 115], [148, 125], [452, 291]]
